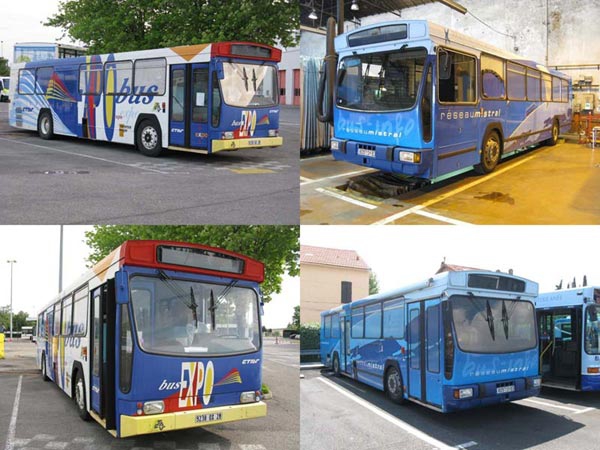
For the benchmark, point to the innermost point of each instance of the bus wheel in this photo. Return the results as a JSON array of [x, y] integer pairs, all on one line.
[[555, 132], [80, 397], [490, 153], [148, 138], [393, 385], [46, 125], [336, 365], [44, 372]]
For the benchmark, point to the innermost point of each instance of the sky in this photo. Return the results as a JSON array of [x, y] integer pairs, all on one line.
[[21, 21], [35, 274], [401, 255]]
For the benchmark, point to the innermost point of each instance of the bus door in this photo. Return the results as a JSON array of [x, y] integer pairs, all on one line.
[[416, 352], [345, 345], [432, 347], [103, 353], [560, 349], [188, 102]]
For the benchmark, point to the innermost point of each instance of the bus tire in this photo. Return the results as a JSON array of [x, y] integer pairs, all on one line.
[[491, 149], [555, 132], [46, 125], [80, 397], [148, 138], [44, 370], [393, 385], [336, 365]]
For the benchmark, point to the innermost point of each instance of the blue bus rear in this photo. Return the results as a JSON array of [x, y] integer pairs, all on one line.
[[446, 347]]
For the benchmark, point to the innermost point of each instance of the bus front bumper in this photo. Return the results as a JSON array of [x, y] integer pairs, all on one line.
[[157, 423], [236, 144]]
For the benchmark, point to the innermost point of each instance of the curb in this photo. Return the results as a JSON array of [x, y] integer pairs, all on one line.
[[268, 396], [20, 371]]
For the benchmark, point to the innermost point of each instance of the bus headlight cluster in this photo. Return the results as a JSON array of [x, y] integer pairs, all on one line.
[[227, 135], [463, 393], [250, 397], [155, 407], [273, 133], [335, 145], [411, 157]]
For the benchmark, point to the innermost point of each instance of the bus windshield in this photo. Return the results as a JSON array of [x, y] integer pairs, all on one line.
[[592, 331], [182, 317], [245, 85], [381, 81], [491, 325]]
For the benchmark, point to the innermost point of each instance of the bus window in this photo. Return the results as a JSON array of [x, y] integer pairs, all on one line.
[[80, 312], [456, 77], [373, 321], [515, 81], [122, 72], [66, 316], [335, 326], [546, 88], [90, 79], [556, 89], [592, 331], [357, 323], [564, 90], [178, 95], [56, 330], [149, 76], [533, 85], [42, 78], [246, 84], [26, 81], [492, 77], [216, 101], [126, 346], [426, 107], [393, 319], [327, 327], [433, 329], [200, 96]]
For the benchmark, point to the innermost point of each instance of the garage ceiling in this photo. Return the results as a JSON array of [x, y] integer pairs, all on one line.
[[327, 8]]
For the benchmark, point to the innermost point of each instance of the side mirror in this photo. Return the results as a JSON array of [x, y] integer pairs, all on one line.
[[121, 288], [219, 70], [444, 68]]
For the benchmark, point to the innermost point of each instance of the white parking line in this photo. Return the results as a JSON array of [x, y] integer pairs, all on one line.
[[346, 199], [552, 405], [466, 445], [440, 218], [386, 416], [12, 427], [333, 177]]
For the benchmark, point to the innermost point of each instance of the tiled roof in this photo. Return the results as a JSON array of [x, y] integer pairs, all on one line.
[[444, 267], [332, 257]]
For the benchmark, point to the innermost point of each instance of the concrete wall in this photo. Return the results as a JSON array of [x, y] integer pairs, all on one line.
[[570, 38], [321, 288]]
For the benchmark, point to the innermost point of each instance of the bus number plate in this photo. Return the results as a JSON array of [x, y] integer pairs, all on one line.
[[203, 418], [505, 389], [366, 152]]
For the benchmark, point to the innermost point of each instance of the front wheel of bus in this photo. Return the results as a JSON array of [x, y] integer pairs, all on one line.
[[490, 153], [393, 385], [80, 397], [336, 365], [555, 132], [46, 125], [149, 141]]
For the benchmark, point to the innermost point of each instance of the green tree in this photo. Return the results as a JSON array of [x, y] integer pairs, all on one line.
[[276, 246], [4, 68], [19, 318], [373, 284], [295, 323], [122, 25]]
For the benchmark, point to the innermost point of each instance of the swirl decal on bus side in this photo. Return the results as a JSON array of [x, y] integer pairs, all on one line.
[[109, 100]]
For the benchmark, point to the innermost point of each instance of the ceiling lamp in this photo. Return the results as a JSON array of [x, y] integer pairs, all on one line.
[[354, 6]]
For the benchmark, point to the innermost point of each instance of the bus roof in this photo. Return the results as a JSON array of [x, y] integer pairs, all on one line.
[[568, 297], [459, 280], [421, 31]]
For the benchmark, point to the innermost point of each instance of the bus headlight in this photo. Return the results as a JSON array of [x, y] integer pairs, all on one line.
[[273, 133], [250, 397], [411, 157], [227, 135], [463, 393], [537, 382], [335, 145], [156, 407]]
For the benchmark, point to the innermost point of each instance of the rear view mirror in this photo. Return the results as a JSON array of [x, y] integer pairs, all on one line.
[[445, 65]]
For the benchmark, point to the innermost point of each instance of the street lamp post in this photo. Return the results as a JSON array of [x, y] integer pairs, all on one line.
[[11, 262]]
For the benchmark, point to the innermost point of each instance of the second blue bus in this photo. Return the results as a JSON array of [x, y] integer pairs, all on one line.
[[455, 341]]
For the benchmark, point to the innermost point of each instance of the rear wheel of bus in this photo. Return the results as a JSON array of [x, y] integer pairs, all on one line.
[[490, 152], [393, 385], [80, 397], [46, 125], [336, 365], [148, 138]]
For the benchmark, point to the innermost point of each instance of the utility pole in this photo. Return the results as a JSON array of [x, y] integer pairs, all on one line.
[[11, 262], [60, 261]]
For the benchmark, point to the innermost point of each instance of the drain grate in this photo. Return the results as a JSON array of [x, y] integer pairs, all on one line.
[[59, 172]]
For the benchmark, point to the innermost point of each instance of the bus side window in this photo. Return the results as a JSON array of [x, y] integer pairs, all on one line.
[[456, 79], [216, 101], [200, 96]]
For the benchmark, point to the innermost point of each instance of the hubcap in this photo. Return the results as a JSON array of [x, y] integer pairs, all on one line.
[[149, 137], [336, 364], [555, 132], [45, 125], [492, 151], [393, 382], [79, 397]]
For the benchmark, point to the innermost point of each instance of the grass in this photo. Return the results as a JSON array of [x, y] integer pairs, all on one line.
[[265, 389]]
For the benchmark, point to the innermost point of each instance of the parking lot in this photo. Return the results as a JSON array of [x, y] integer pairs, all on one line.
[[74, 181], [546, 185], [339, 413], [47, 418]]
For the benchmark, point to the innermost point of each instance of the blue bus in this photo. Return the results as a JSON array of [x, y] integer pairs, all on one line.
[[417, 99], [202, 98], [455, 341], [158, 336], [569, 334]]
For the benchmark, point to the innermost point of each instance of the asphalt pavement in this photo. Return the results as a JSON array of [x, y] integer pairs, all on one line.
[[76, 181]]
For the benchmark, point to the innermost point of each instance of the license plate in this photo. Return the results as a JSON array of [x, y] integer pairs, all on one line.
[[505, 389], [366, 152], [203, 418]]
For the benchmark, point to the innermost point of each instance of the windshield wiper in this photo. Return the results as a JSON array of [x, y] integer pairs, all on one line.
[[212, 308], [505, 319], [194, 307], [490, 319], [245, 78], [254, 79]]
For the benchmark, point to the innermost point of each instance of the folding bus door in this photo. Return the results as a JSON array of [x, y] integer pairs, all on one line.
[[103, 353], [188, 106], [416, 352], [345, 344], [432, 347]]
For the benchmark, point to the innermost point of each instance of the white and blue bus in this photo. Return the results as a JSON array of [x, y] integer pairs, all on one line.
[[569, 333], [418, 99], [199, 98], [455, 341]]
